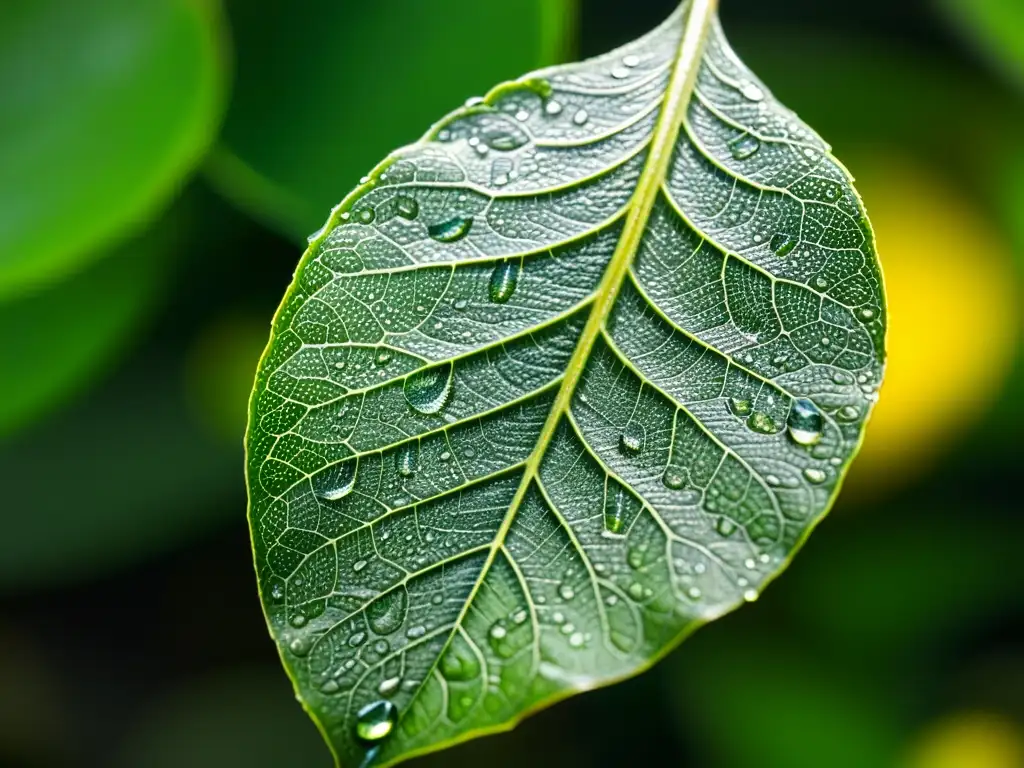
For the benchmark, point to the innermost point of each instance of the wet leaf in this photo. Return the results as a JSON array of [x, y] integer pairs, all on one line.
[[572, 376]]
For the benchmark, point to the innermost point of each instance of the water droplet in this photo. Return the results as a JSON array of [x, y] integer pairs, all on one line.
[[407, 207], [358, 565], [762, 422], [725, 526], [751, 91], [740, 406], [298, 620], [694, 592], [340, 480], [631, 441], [329, 687], [300, 646], [520, 616], [375, 721], [407, 459], [636, 590], [632, 60], [460, 663], [389, 686], [416, 632], [428, 392], [452, 230], [867, 313], [750, 595], [566, 592], [387, 613], [460, 304], [581, 117], [805, 423], [674, 478], [498, 632], [504, 280], [576, 639], [365, 216], [848, 413], [635, 558], [821, 282], [619, 73], [553, 107], [611, 600], [357, 639], [316, 235], [744, 146], [277, 592], [814, 475], [782, 244]]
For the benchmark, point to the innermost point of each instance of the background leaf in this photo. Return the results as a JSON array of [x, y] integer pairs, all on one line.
[[348, 82], [554, 387], [107, 105]]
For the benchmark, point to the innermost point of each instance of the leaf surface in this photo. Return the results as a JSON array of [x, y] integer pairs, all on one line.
[[567, 379]]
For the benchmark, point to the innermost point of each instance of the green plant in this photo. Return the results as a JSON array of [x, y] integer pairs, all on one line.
[[553, 387]]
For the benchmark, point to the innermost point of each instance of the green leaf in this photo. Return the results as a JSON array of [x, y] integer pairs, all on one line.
[[569, 378], [998, 28], [110, 105], [305, 123]]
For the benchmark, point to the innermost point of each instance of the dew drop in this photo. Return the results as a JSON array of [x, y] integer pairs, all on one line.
[[674, 478], [867, 313], [365, 216], [389, 686], [329, 687], [460, 304], [805, 423], [848, 413], [503, 282], [782, 244], [344, 480], [814, 475], [553, 108], [750, 595], [387, 613], [299, 646], [356, 639], [631, 441], [407, 459], [751, 91], [358, 565], [277, 592], [614, 515], [452, 230], [566, 592], [636, 590], [416, 632], [428, 392], [298, 620], [632, 60], [498, 632], [762, 422], [520, 616], [619, 73], [407, 207], [460, 663], [740, 406], [694, 592], [581, 117], [725, 526], [744, 146], [376, 720], [576, 639]]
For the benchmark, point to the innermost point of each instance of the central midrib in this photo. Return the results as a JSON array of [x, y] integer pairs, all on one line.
[[677, 97]]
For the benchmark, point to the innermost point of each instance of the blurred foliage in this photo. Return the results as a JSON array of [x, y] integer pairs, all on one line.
[[132, 327], [107, 107], [289, 147]]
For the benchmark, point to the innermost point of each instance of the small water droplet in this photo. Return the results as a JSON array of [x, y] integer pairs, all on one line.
[[460, 304], [615, 514], [821, 282], [553, 107], [316, 235], [581, 117], [300, 646], [635, 558], [619, 73], [631, 60], [725, 526], [636, 590], [460, 663], [503, 282], [848, 413], [445, 456], [674, 477], [387, 613], [751, 91], [416, 632], [357, 639], [407, 207], [365, 216], [277, 592], [744, 146], [762, 422], [389, 686], [522, 115], [298, 620], [566, 592], [427, 392], [576, 639], [750, 595], [452, 230], [520, 616], [498, 632], [631, 441], [805, 423], [867, 313], [407, 459], [358, 565], [814, 475], [782, 244], [376, 720], [740, 406], [694, 592], [329, 687], [437, 599], [611, 600]]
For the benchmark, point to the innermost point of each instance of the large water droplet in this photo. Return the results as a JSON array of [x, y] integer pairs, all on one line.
[[407, 459], [503, 281], [744, 146], [387, 613], [300, 646], [451, 230], [428, 392], [338, 481], [376, 720], [782, 244], [407, 207], [805, 423], [631, 441], [762, 422]]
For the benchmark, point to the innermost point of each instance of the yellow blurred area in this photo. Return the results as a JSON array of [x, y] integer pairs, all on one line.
[[219, 373], [970, 740], [953, 316]]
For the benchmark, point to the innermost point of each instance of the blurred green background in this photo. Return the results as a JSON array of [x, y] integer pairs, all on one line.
[[161, 162]]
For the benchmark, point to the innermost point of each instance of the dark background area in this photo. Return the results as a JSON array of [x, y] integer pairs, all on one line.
[[130, 629]]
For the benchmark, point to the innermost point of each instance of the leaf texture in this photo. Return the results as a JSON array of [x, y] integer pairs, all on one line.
[[565, 380]]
